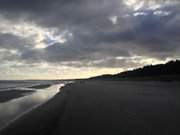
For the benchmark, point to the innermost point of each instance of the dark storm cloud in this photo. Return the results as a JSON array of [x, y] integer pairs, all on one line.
[[11, 47], [146, 32], [56, 13], [72, 52], [151, 32], [105, 63], [12, 42]]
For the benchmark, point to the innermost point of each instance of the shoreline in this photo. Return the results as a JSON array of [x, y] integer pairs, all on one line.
[[15, 108], [15, 93], [94, 107], [36, 113], [8, 95], [40, 86]]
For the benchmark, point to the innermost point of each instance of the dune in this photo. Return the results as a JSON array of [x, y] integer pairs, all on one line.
[[107, 108]]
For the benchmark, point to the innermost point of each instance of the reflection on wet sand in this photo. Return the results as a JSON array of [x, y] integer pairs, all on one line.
[[14, 108], [13, 94]]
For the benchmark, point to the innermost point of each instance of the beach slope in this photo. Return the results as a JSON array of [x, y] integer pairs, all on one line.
[[107, 108]]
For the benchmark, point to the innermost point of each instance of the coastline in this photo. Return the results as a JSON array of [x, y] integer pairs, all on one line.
[[16, 107], [94, 107], [13, 94], [37, 119]]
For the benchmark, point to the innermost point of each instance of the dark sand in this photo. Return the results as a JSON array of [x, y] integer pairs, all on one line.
[[12, 94], [105, 108]]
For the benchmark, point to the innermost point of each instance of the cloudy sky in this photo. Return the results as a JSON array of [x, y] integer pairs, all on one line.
[[49, 39]]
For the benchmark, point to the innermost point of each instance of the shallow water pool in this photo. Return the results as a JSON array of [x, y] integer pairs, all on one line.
[[13, 109]]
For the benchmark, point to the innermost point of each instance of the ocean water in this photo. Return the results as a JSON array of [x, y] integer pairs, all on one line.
[[14, 108], [8, 85]]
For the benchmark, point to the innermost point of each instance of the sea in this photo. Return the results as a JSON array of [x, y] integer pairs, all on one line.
[[14, 108]]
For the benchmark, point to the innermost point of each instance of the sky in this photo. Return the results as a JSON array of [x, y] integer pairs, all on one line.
[[63, 39]]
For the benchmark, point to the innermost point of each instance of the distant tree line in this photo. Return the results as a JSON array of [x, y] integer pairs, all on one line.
[[170, 68]]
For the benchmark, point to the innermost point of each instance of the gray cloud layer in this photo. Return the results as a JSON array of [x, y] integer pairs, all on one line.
[[149, 32]]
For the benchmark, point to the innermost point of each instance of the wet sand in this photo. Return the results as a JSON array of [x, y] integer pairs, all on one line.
[[12, 94], [107, 108], [15, 93], [40, 86]]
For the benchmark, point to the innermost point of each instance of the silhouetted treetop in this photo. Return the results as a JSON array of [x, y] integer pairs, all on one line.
[[170, 68]]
